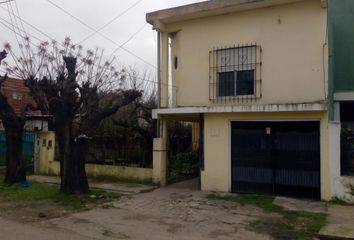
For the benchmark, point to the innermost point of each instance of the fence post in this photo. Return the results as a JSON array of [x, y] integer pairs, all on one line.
[[160, 161], [160, 156], [46, 146]]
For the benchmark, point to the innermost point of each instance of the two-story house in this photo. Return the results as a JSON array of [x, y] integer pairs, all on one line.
[[258, 78]]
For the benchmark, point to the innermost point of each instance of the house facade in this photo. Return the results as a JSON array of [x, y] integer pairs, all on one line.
[[258, 78], [19, 98]]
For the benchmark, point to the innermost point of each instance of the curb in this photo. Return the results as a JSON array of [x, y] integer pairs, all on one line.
[[331, 237]]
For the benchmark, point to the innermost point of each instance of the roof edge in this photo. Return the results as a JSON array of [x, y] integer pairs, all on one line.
[[159, 19]]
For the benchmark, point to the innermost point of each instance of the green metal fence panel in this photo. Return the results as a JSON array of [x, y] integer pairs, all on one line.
[[2, 143], [28, 141]]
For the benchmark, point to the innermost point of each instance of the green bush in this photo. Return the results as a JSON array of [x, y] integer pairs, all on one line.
[[186, 163]]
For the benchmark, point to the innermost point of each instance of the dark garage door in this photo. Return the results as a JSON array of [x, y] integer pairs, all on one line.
[[277, 158]]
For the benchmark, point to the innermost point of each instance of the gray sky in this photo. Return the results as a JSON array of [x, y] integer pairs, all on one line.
[[95, 13]]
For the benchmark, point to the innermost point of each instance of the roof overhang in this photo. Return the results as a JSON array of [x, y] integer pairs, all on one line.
[[210, 8], [193, 112]]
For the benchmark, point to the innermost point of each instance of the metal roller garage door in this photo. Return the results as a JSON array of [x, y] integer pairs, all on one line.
[[277, 158]]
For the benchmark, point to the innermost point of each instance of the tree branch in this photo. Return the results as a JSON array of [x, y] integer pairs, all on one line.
[[3, 55]]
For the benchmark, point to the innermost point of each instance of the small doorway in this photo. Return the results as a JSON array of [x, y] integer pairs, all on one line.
[[183, 151]]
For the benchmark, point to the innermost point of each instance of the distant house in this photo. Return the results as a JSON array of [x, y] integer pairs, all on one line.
[[19, 97], [271, 84]]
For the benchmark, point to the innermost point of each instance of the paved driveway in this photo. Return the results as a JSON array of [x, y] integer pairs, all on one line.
[[174, 212]]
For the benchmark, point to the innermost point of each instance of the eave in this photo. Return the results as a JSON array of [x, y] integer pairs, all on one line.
[[161, 18]]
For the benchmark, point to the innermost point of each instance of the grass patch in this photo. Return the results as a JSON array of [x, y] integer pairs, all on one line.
[[27, 159], [263, 202], [45, 192], [293, 225], [2, 160]]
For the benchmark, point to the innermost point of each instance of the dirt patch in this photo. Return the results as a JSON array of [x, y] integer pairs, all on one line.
[[222, 233], [166, 213], [171, 227], [171, 213], [280, 223], [33, 212], [42, 201], [116, 235]]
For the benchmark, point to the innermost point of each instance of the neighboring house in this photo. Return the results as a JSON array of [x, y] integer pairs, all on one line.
[[269, 100], [19, 98]]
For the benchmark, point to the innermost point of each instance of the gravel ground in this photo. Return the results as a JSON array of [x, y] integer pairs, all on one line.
[[174, 212]]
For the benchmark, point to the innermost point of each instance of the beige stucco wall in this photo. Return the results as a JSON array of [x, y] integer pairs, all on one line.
[[292, 38], [216, 175], [45, 145], [103, 171]]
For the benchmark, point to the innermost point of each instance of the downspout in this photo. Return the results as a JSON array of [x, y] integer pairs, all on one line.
[[158, 134], [330, 62]]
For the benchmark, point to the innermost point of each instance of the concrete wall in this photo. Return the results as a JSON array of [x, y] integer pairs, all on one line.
[[107, 171], [294, 56], [342, 187], [217, 173], [45, 151], [48, 166]]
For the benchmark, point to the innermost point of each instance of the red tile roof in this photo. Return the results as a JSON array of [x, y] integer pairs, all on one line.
[[17, 94]]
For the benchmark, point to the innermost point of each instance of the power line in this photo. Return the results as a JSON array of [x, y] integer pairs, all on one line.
[[3, 20], [111, 21], [9, 28], [27, 23], [18, 13], [43, 33], [13, 21], [6, 1], [101, 34], [129, 39]]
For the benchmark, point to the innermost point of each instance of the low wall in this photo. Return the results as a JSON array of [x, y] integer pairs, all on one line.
[[120, 172], [46, 164], [107, 171]]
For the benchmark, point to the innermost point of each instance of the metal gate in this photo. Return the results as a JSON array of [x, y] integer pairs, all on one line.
[[28, 144], [277, 158]]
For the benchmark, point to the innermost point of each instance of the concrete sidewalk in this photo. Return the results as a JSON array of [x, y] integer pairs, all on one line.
[[340, 223], [112, 186]]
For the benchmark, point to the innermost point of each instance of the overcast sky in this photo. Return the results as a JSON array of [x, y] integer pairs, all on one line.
[[95, 13]]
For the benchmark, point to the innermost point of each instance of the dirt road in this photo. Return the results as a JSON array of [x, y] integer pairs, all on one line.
[[166, 213], [11, 230]]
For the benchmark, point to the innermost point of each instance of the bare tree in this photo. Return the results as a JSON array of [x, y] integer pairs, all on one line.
[[13, 124], [68, 84], [137, 116]]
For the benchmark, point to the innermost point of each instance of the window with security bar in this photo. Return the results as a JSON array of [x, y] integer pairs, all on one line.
[[235, 73]]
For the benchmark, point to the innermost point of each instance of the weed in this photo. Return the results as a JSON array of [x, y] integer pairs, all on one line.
[[263, 202], [294, 225], [338, 201]]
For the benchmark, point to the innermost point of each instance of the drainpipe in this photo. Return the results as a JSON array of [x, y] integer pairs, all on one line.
[[158, 80]]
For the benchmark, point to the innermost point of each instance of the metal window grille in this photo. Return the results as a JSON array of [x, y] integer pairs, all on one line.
[[235, 74]]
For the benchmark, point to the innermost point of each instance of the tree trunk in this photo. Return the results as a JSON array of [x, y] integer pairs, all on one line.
[[15, 166], [72, 162]]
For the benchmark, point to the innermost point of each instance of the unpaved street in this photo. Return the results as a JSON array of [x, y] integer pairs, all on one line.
[[11, 230], [166, 213]]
